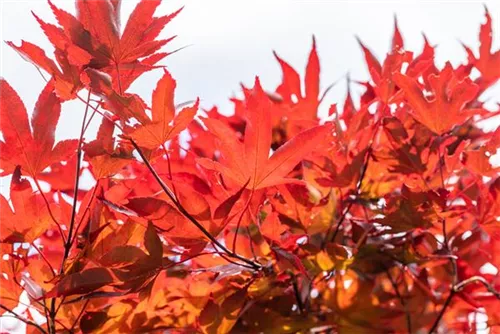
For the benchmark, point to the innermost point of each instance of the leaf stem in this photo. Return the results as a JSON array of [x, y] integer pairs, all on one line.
[[69, 241]]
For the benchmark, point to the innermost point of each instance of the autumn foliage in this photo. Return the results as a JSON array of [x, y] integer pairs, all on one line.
[[382, 218]]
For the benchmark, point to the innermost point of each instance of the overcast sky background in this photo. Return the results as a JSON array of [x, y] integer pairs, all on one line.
[[230, 42]]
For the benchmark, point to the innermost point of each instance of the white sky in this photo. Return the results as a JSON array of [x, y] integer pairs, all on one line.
[[232, 41]]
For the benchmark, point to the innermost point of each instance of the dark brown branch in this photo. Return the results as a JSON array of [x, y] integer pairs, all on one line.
[[193, 220], [443, 221], [477, 279], [349, 206], [79, 315], [296, 292], [52, 271], [402, 301], [239, 221], [441, 313], [69, 241], [459, 287], [23, 319], [87, 209], [51, 214]]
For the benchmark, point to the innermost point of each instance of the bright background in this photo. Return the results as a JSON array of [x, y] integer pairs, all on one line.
[[229, 42]]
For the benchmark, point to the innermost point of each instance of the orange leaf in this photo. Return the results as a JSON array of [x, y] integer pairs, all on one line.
[[488, 62], [164, 125], [37, 149], [81, 283], [444, 110], [272, 228], [29, 219], [251, 160]]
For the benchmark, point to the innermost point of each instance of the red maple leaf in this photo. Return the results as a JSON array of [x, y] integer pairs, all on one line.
[[92, 40], [29, 217], [32, 150], [164, 124], [488, 61], [250, 159], [444, 109], [303, 103]]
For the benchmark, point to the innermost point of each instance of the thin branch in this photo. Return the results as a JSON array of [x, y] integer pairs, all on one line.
[[339, 223], [296, 292], [91, 116], [239, 221], [459, 287], [79, 315], [69, 240], [358, 191], [251, 243], [87, 209], [47, 204], [52, 316], [100, 113], [225, 257], [193, 220], [23, 319], [477, 279], [441, 313], [59, 306], [67, 248], [402, 301], [46, 313], [170, 177], [443, 221], [44, 259]]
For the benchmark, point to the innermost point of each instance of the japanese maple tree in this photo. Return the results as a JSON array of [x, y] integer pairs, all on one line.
[[382, 218]]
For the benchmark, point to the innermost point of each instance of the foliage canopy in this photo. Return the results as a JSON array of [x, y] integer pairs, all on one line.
[[383, 218]]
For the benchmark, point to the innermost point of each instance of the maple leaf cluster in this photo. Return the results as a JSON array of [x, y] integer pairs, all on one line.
[[383, 218]]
